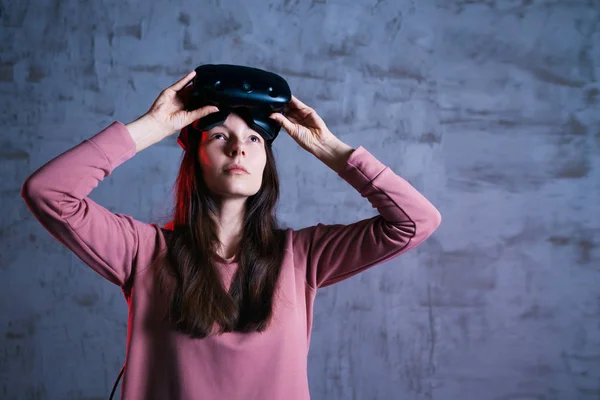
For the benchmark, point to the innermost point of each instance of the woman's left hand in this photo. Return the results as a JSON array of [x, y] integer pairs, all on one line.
[[305, 126]]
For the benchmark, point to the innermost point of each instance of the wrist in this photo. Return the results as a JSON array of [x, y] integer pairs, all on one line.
[[334, 153], [145, 131]]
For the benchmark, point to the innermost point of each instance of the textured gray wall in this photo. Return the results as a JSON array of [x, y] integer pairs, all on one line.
[[489, 107]]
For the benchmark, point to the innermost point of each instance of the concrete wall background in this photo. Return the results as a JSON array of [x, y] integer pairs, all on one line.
[[490, 108]]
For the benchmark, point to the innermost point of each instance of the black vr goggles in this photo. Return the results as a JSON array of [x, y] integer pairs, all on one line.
[[251, 93]]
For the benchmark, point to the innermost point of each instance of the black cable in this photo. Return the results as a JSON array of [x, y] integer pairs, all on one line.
[[117, 382]]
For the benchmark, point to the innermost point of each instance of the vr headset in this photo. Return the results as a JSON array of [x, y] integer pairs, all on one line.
[[251, 93]]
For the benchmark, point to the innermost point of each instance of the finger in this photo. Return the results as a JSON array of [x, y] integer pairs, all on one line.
[[299, 117], [180, 84], [202, 112], [298, 110], [289, 126], [296, 103]]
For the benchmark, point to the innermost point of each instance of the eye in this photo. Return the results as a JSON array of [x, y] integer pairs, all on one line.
[[222, 135]]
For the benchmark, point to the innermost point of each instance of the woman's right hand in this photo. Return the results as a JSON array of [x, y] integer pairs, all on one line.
[[167, 114], [168, 110]]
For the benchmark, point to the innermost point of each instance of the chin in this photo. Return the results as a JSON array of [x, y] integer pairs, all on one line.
[[235, 193]]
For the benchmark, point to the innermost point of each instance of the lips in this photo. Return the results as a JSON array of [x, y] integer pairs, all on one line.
[[236, 168]]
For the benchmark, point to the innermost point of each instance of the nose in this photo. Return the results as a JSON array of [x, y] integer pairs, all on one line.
[[236, 148]]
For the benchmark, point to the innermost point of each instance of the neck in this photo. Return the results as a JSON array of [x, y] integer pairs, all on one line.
[[229, 220]]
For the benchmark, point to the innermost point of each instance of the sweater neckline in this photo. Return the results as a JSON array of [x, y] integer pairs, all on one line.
[[229, 260]]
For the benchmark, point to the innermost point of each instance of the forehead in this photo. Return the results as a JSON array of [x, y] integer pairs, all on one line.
[[234, 124]]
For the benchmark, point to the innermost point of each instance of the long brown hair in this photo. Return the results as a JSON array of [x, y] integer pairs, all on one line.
[[195, 294]]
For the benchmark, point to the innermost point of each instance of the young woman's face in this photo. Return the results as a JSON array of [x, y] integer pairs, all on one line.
[[232, 142]]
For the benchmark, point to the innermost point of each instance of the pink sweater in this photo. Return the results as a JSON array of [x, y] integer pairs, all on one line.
[[163, 364]]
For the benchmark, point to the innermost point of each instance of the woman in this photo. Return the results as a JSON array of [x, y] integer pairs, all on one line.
[[220, 303]]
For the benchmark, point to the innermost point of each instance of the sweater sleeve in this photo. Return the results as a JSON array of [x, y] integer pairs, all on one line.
[[406, 218], [57, 194]]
